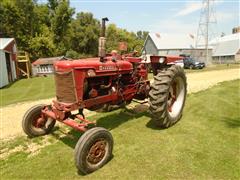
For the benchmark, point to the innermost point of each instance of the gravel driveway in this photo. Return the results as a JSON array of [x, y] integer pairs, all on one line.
[[11, 115]]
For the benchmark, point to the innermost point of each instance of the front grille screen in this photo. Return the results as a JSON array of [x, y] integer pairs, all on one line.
[[65, 90]]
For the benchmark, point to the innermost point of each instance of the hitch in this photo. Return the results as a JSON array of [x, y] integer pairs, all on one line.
[[68, 119]]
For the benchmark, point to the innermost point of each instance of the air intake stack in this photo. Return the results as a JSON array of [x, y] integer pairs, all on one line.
[[102, 40]]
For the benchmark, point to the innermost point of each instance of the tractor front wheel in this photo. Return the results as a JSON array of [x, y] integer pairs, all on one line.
[[93, 150], [34, 124], [167, 96]]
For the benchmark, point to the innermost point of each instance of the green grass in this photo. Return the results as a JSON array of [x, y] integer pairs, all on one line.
[[203, 145], [28, 90]]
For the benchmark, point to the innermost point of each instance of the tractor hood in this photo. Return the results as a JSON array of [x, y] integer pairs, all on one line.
[[94, 63]]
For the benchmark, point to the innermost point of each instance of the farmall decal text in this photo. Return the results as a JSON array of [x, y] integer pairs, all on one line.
[[107, 68]]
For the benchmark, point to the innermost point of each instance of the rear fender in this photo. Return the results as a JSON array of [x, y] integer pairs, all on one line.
[[160, 62]]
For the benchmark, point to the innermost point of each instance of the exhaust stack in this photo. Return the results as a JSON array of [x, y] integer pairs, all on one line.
[[102, 40]]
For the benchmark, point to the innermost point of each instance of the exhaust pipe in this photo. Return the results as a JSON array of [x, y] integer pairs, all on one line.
[[102, 40]]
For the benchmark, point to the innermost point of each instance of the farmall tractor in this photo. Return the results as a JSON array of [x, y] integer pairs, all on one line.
[[104, 81]]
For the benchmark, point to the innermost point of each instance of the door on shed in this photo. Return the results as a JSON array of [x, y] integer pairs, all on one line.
[[9, 69]]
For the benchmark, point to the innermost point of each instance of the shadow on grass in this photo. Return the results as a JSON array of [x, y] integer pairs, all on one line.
[[231, 122], [152, 125], [114, 120], [70, 138], [109, 121], [9, 85]]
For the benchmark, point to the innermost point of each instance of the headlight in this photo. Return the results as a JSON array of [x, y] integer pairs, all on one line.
[[91, 73], [161, 59]]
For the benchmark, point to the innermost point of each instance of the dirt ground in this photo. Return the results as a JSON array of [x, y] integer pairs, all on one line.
[[11, 115]]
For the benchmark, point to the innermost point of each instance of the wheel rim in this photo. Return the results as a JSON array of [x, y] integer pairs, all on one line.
[[97, 152], [39, 122], [176, 97]]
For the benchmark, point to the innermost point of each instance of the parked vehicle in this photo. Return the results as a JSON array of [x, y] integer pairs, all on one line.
[[191, 63]]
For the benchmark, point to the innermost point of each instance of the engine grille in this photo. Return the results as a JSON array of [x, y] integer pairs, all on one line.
[[65, 90]]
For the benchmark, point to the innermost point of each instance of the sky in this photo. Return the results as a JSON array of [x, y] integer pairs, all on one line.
[[163, 16]]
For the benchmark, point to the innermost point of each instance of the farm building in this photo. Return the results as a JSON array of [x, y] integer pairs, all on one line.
[[226, 49], [174, 44], [8, 61], [44, 66]]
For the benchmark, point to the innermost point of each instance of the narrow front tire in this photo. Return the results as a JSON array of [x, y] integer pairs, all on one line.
[[34, 124], [93, 150]]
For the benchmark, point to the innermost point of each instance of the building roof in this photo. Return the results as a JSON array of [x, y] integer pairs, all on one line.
[[226, 48], [4, 42], [229, 37], [172, 41], [227, 45], [49, 60]]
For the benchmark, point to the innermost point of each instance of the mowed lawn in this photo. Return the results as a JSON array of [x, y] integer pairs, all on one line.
[[28, 90], [205, 144]]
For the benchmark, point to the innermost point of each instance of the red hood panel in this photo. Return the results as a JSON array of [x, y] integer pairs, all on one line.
[[94, 63]]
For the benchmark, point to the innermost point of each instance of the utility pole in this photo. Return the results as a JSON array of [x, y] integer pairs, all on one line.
[[207, 27]]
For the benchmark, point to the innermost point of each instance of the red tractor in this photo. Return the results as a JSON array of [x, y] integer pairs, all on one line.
[[104, 81]]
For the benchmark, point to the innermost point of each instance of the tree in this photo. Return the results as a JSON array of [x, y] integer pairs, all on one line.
[[116, 35], [53, 4], [60, 23], [42, 44], [17, 20], [142, 35], [112, 39], [86, 30], [50, 30], [42, 12]]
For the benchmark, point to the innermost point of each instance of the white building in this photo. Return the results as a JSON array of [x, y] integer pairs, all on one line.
[[226, 49], [173, 44]]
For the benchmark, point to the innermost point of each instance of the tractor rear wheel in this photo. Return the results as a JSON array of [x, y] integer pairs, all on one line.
[[167, 96], [33, 124], [93, 150]]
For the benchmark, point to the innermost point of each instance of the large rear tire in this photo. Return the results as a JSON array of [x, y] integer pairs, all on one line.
[[167, 96], [30, 123], [93, 150]]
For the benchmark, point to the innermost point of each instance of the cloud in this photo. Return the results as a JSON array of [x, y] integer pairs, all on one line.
[[185, 25], [182, 26], [176, 26], [191, 7]]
